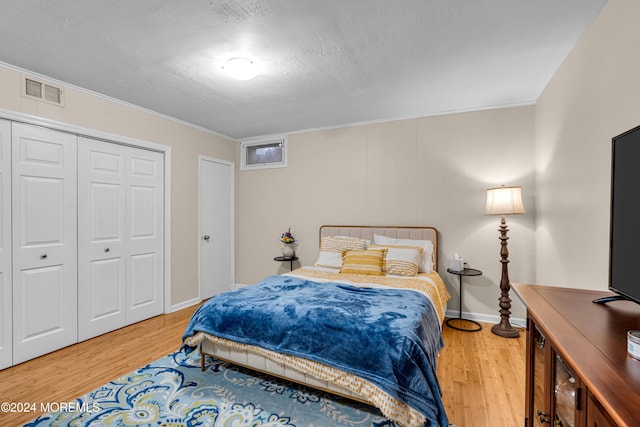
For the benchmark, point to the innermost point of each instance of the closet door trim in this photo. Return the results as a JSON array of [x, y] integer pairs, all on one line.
[[6, 252], [133, 142]]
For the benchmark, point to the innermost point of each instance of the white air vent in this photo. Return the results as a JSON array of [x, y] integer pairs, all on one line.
[[42, 91]]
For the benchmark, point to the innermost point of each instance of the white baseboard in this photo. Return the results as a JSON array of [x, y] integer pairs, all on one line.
[[185, 304], [195, 301], [487, 318]]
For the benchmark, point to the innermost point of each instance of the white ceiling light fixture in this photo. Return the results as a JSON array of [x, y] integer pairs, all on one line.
[[241, 68]]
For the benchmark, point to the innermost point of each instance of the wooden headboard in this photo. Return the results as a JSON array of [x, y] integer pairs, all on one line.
[[399, 232]]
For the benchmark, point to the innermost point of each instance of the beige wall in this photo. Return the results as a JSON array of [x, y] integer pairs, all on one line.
[[186, 142], [425, 171], [593, 97]]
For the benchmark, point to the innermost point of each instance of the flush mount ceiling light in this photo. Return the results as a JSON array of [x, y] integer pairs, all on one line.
[[241, 68]]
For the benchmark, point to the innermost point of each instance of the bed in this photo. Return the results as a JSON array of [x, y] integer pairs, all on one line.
[[376, 289]]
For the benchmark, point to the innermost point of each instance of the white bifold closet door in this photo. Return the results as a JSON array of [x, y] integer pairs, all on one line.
[[6, 312], [44, 215], [120, 237]]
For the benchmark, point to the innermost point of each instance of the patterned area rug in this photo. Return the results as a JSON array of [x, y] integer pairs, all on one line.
[[173, 391]]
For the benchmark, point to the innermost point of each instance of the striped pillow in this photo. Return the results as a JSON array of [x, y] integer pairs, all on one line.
[[341, 243], [401, 260], [370, 262], [428, 259], [332, 247]]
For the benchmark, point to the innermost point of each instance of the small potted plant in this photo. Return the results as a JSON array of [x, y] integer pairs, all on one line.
[[289, 241]]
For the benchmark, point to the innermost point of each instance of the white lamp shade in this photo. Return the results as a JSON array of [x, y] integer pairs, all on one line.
[[504, 200]]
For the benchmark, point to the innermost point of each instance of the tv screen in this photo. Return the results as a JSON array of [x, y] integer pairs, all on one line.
[[624, 245]]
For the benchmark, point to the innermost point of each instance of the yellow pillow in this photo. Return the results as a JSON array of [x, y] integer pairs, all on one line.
[[370, 262], [401, 260]]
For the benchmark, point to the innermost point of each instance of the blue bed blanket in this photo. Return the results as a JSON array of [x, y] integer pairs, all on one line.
[[390, 337]]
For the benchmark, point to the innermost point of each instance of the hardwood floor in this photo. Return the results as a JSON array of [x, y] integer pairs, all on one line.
[[482, 375], [76, 370]]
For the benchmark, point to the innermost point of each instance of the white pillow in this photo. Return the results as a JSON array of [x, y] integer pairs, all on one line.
[[427, 262], [329, 259]]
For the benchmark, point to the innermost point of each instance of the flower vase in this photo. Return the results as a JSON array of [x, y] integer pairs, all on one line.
[[288, 250]]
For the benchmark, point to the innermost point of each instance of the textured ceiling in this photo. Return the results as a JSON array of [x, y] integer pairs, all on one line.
[[323, 63]]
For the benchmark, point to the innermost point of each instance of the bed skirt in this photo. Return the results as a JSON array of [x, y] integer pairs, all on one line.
[[306, 372]]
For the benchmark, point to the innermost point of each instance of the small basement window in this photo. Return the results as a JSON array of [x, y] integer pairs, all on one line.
[[264, 153]]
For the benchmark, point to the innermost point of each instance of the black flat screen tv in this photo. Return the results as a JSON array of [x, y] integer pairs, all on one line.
[[624, 237]]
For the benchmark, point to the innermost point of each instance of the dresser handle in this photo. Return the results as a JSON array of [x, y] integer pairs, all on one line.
[[43, 256], [543, 417]]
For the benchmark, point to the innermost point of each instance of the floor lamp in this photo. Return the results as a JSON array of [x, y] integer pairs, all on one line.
[[504, 201]]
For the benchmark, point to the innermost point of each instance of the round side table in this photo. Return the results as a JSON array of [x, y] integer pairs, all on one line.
[[290, 259], [465, 272]]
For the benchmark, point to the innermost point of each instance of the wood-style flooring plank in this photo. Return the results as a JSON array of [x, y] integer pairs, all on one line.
[[481, 374], [74, 371], [482, 377]]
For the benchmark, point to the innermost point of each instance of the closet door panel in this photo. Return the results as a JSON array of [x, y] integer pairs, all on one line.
[[146, 225], [121, 235], [143, 276], [44, 182], [38, 195], [142, 258], [42, 303], [101, 260], [6, 311]]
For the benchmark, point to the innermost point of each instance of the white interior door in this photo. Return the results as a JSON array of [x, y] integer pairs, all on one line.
[[6, 322], [44, 207], [121, 229], [101, 243], [216, 227]]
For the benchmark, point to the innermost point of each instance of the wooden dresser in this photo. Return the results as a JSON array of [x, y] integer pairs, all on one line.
[[578, 370]]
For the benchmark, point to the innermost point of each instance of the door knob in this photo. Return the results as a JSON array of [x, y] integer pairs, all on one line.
[[206, 237]]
